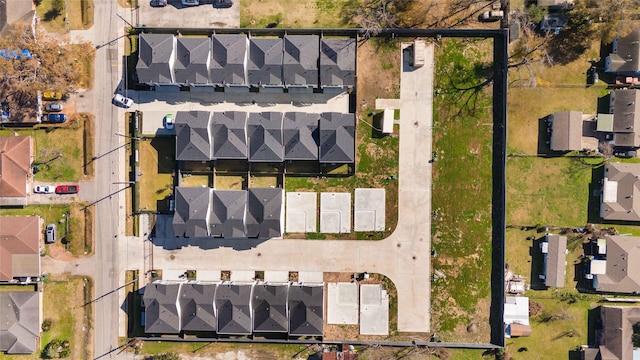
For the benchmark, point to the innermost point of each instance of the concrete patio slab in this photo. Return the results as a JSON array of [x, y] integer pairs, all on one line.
[[301, 212], [369, 210], [276, 276], [208, 275], [335, 213], [310, 277], [243, 275], [374, 310], [342, 303]]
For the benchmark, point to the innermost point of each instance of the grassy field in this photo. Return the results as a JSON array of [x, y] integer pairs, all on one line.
[[52, 13], [80, 14], [461, 226], [59, 151], [157, 166], [62, 303], [228, 350], [278, 13]]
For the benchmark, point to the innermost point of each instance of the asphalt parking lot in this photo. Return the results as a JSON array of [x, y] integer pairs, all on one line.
[[177, 15]]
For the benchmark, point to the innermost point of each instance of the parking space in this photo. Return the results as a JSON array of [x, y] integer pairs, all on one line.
[[177, 15]]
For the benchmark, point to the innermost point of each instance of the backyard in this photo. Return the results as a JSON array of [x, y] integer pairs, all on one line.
[[157, 166], [461, 203], [309, 13], [54, 13]]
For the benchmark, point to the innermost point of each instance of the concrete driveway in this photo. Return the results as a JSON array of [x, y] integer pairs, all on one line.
[[404, 257], [202, 16]]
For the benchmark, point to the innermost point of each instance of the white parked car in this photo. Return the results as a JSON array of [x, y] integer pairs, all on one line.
[[168, 122], [44, 189], [190, 2], [120, 100]]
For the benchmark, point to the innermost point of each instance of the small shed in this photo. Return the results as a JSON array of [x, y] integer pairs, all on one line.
[[418, 53], [387, 121]]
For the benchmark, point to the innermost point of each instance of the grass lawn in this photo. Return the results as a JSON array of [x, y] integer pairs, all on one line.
[[197, 180], [307, 14], [157, 166], [227, 350], [52, 13], [263, 181], [80, 14], [229, 182], [461, 225], [548, 191], [59, 151]]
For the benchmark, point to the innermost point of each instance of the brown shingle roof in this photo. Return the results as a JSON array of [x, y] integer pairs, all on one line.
[[15, 167], [567, 131], [623, 266], [621, 192], [617, 328], [19, 246]]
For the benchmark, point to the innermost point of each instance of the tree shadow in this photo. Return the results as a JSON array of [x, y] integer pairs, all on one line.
[[51, 14], [571, 42], [593, 207]]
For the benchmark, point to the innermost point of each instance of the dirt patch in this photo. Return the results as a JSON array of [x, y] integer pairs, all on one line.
[[378, 73]]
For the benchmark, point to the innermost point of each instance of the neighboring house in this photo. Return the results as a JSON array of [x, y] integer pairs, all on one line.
[[269, 305], [624, 120], [613, 334], [554, 252], [616, 267], [337, 138], [337, 63], [193, 56], [233, 304], [566, 131], [20, 247], [270, 137], [516, 316], [554, 22], [197, 308], [20, 322], [300, 62], [228, 61], [264, 65], [16, 156], [15, 10], [625, 51], [162, 308], [306, 310], [204, 212], [156, 58], [620, 198]]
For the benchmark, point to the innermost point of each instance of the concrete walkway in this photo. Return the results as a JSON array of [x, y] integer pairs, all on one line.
[[404, 257]]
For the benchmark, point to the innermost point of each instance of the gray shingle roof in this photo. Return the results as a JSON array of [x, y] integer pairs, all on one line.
[[264, 212], [234, 312], [227, 217], [196, 305], [626, 58], [337, 138], [626, 117], [338, 62], [155, 58], [230, 135], [555, 260], [161, 308], [264, 65], [269, 303], [566, 132], [300, 131], [19, 321], [193, 139], [306, 316], [192, 60], [228, 58], [265, 137], [300, 63], [192, 211]]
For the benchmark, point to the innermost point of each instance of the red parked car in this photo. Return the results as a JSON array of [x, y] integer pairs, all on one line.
[[67, 189]]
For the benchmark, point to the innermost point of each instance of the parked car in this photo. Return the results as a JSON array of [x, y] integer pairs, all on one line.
[[168, 121], [222, 4], [54, 107], [55, 118], [493, 15], [158, 3], [190, 2], [52, 95], [122, 101], [625, 153], [44, 189], [67, 189], [50, 234]]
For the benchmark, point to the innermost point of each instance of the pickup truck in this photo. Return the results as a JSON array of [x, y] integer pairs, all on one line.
[[67, 189]]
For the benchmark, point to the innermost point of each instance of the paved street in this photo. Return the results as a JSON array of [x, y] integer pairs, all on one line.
[[404, 257]]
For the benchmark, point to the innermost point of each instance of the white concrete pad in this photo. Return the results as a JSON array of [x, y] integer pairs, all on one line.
[[342, 303], [374, 310], [173, 274], [369, 210], [335, 212], [208, 275], [301, 212], [383, 104], [243, 275], [310, 277], [276, 276]]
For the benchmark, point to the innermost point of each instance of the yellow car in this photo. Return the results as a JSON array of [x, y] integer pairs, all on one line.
[[52, 95]]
